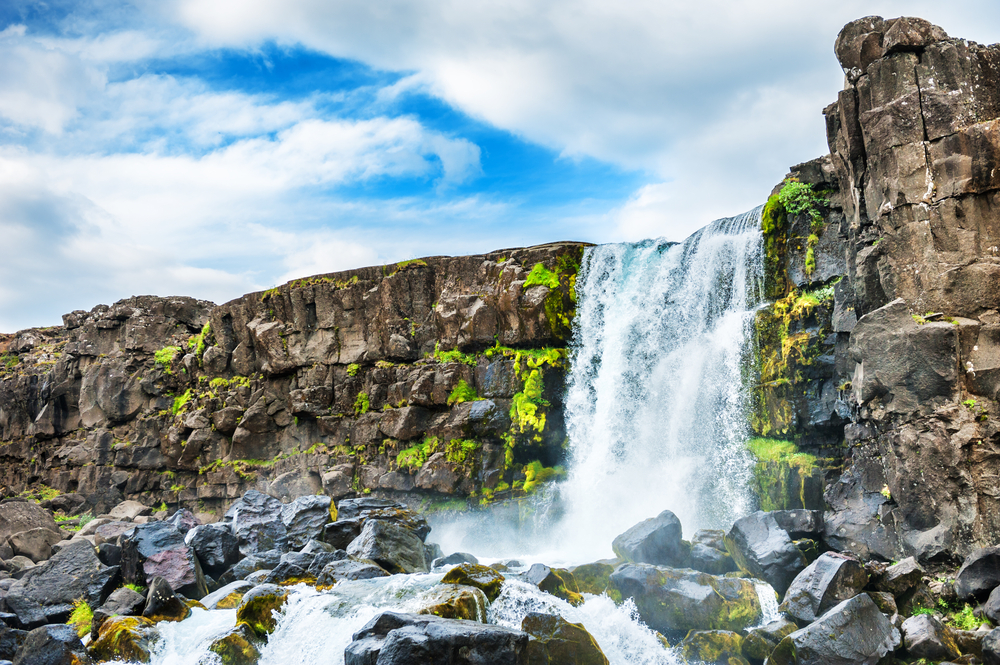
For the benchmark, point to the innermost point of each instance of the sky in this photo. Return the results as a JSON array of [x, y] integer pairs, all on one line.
[[215, 147]]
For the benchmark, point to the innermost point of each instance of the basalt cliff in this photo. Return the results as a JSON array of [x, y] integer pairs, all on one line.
[[878, 359]]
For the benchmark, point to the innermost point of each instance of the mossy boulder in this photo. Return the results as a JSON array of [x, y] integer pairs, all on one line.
[[454, 601], [481, 577], [555, 641], [162, 604], [558, 581], [761, 641], [718, 647], [125, 638], [227, 597], [670, 599], [259, 605], [595, 578], [240, 646]]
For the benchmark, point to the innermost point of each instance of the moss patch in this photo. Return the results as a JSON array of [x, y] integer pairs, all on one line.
[[783, 477]]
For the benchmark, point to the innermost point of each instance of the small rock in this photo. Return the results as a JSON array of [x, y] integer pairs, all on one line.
[[121, 602], [288, 574], [36, 544], [111, 531], [761, 641], [656, 541], [216, 547], [595, 578], [162, 604], [925, 637], [258, 605], [483, 578], [710, 560], [304, 519], [991, 647], [555, 641], [183, 520]]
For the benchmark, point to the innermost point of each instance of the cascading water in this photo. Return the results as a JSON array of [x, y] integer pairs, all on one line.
[[656, 420], [655, 405]]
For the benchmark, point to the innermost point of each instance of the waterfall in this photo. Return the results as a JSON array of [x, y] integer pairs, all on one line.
[[655, 406]]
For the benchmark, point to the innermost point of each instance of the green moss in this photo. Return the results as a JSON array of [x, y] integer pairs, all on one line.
[[402, 265], [81, 617], [361, 404], [542, 276], [799, 198], [165, 358], [270, 293], [312, 281], [535, 473], [352, 369], [453, 356], [462, 392], [487, 580], [197, 343], [229, 384], [181, 401], [8, 361], [460, 450], [782, 474], [414, 457], [778, 450]]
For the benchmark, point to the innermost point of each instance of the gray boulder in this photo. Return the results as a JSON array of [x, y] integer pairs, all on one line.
[[257, 523], [122, 602], [854, 632], [11, 640], [656, 541], [827, 581], [215, 546], [261, 561], [36, 544], [991, 647], [394, 638], [762, 549], [320, 561], [899, 578], [45, 593], [670, 599], [157, 549], [991, 608], [979, 574], [762, 640], [925, 637], [800, 523], [304, 519], [454, 559], [349, 569], [57, 644], [18, 515], [391, 545], [710, 560]]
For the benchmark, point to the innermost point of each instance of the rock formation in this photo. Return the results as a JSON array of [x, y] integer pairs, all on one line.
[[439, 376]]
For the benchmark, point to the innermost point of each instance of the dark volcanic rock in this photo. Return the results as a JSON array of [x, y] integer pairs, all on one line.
[[393, 638], [215, 545], [162, 604], [669, 599], [257, 523], [656, 541], [11, 640], [763, 549], [454, 559], [555, 641], [157, 549], [710, 560], [925, 637], [45, 593], [349, 569], [57, 644], [851, 633], [304, 519], [827, 581], [800, 523], [979, 574], [391, 545], [121, 602]]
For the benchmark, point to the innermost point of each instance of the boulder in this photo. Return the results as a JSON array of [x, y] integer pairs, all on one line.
[[991, 647], [304, 519], [57, 644], [979, 574], [710, 560], [899, 578], [110, 532], [991, 608], [854, 632], [288, 574], [17, 516], [239, 646], [367, 508], [712, 647], [487, 580], [595, 578], [317, 547], [45, 593], [162, 604], [762, 549], [110, 555], [227, 597], [339, 534], [11, 640], [394, 638], [669, 599], [36, 544], [261, 561], [558, 582], [800, 523], [126, 638], [827, 581], [157, 549], [215, 546], [453, 559], [391, 545], [183, 520], [761, 641], [258, 606], [295, 484], [656, 540], [453, 601], [126, 511], [349, 569], [320, 561], [925, 637], [121, 602], [257, 523], [714, 538], [555, 641]]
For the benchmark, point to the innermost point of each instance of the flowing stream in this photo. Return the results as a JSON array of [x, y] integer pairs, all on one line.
[[656, 420]]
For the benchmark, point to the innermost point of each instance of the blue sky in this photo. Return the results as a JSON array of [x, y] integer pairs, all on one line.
[[214, 147]]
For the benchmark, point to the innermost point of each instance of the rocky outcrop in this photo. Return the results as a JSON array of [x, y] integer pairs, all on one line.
[[878, 356], [438, 376]]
